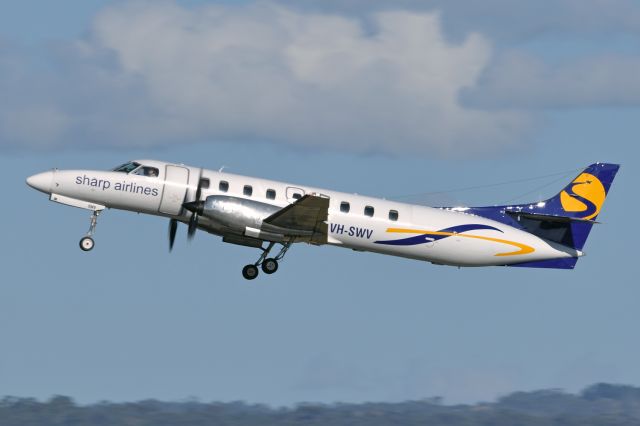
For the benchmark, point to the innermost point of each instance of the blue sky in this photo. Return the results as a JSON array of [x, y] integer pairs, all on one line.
[[255, 87]]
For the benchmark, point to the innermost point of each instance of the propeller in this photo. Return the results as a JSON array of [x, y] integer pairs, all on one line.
[[195, 207], [173, 227]]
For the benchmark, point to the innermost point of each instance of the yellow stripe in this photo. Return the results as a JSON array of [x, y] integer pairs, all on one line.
[[522, 248]]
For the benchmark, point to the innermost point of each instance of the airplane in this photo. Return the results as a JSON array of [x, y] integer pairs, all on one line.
[[262, 213]]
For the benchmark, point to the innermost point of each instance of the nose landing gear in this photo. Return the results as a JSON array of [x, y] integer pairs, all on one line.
[[269, 265], [87, 243]]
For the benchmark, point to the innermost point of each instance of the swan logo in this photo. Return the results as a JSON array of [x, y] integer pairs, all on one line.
[[584, 196]]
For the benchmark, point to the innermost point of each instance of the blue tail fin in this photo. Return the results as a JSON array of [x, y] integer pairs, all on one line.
[[584, 196], [567, 217]]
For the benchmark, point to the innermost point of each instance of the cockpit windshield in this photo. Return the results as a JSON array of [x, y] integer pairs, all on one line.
[[127, 167]]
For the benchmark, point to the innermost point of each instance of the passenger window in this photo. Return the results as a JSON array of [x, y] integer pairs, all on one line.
[[344, 207], [368, 211], [248, 190], [204, 183], [223, 186], [297, 195], [393, 215], [271, 194]]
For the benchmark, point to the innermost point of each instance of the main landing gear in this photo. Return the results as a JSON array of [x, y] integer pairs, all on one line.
[[87, 243], [269, 265]]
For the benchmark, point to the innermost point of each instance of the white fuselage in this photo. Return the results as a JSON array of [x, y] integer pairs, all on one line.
[[436, 235]]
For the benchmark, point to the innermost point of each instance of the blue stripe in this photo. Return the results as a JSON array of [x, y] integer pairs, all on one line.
[[428, 238]]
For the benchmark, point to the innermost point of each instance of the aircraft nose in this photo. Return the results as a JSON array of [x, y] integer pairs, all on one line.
[[41, 181]]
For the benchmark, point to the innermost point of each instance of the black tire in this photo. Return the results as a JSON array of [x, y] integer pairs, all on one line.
[[87, 244], [269, 266], [250, 272]]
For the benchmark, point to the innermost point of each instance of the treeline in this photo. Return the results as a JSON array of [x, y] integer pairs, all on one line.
[[598, 405]]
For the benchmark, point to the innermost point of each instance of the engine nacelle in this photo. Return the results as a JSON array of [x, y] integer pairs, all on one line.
[[236, 213]]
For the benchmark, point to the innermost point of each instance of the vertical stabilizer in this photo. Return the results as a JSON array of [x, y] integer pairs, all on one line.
[[582, 200], [567, 217], [584, 196]]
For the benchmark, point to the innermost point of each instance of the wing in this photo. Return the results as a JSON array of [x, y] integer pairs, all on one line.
[[306, 219]]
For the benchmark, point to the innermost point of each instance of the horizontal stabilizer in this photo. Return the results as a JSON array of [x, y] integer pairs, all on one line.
[[558, 229], [547, 217]]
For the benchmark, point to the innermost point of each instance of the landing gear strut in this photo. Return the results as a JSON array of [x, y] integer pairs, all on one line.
[[87, 243], [269, 265]]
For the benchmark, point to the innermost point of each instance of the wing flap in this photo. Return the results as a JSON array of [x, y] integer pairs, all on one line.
[[305, 219]]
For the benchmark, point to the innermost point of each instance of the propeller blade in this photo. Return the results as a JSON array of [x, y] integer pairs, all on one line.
[[199, 190], [195, 207], [193, 226], [173, 227]]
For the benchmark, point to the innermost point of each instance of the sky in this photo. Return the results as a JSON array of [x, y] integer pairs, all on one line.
[[420, 98]]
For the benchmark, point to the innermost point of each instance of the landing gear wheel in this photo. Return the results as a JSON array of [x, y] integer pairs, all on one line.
[[269, 266], [250, 272], [87, 243]]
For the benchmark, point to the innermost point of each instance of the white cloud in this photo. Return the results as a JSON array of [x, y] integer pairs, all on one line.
[[505, 20], [526, 82], [356, 75], [160, 73]]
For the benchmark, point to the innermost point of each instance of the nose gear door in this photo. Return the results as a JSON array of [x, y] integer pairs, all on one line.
[[175, 187]]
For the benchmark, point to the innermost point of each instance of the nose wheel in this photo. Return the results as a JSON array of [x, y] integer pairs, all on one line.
[[269, 265], [86, 242]]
